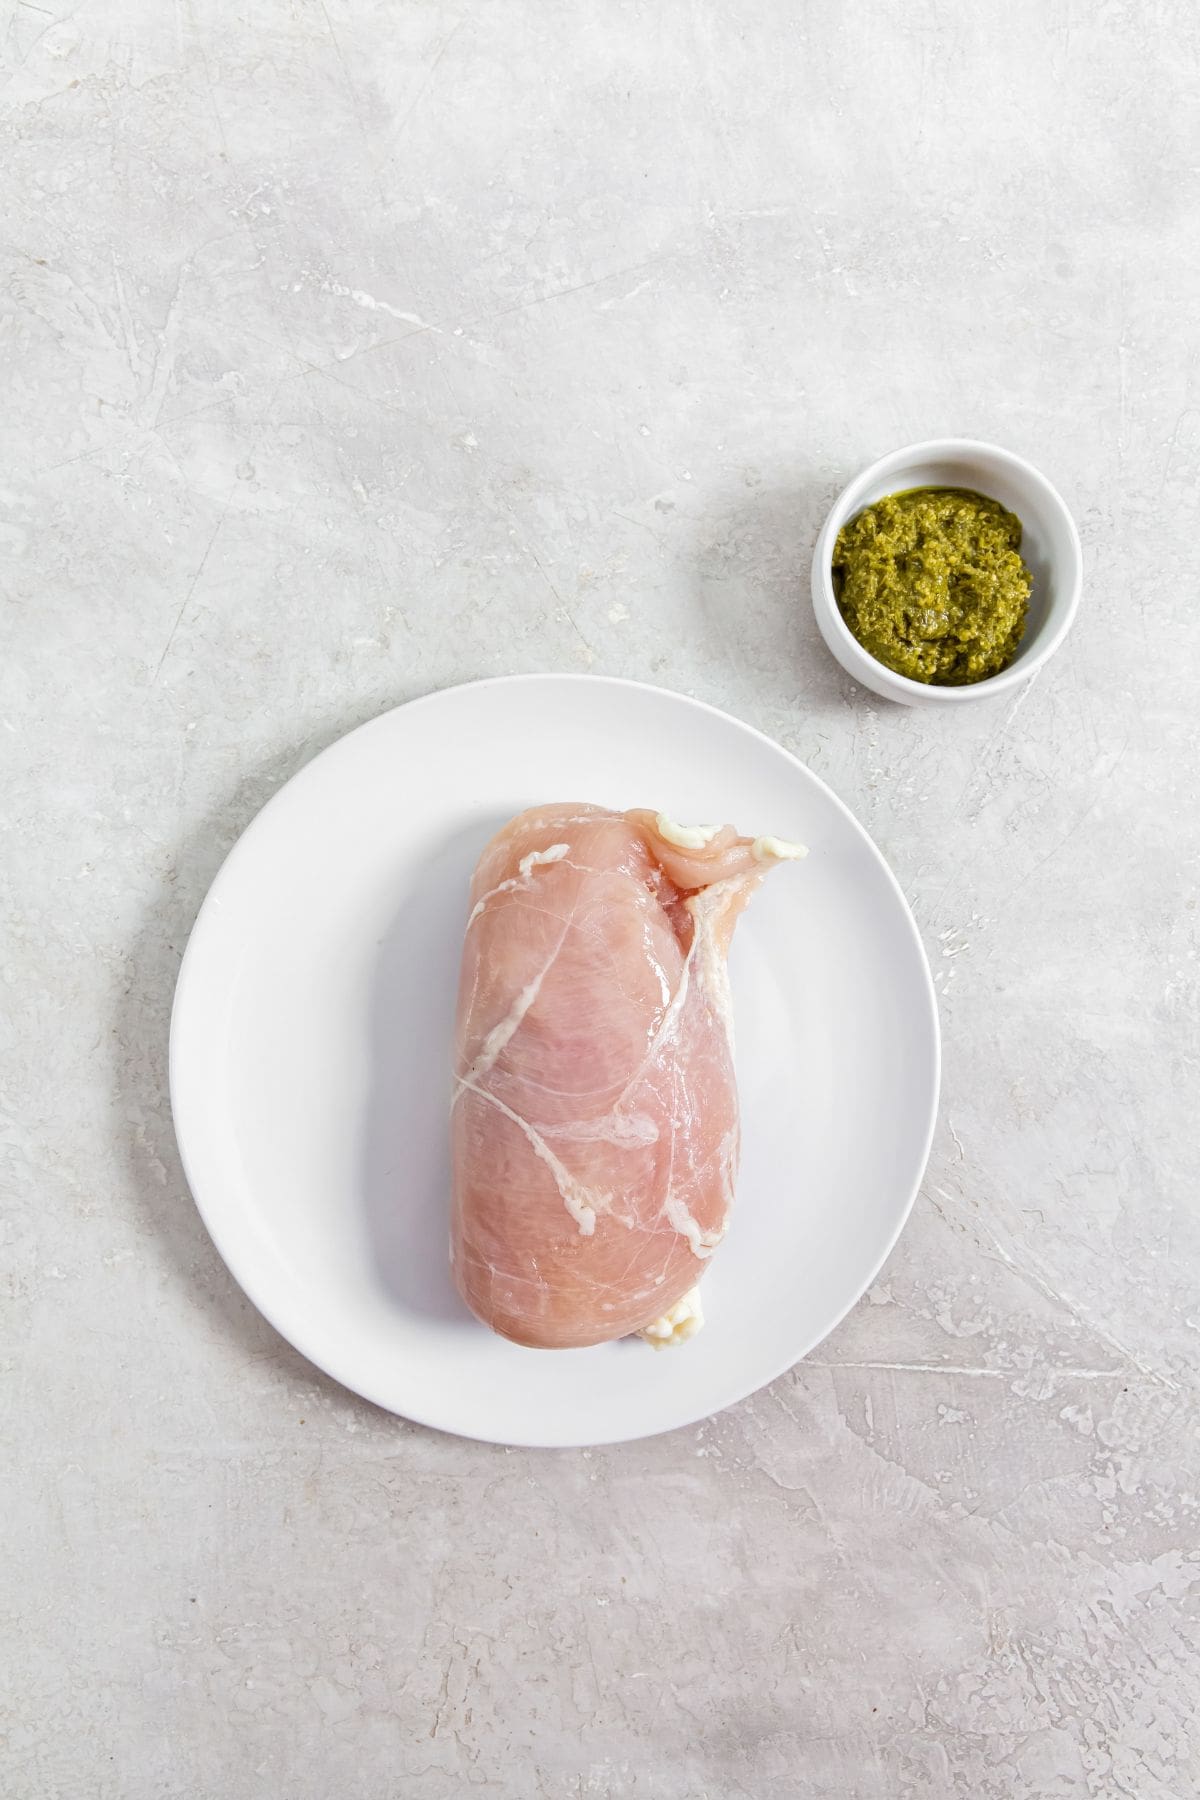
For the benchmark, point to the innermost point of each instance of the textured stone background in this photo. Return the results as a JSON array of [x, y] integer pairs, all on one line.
[[356, 348]]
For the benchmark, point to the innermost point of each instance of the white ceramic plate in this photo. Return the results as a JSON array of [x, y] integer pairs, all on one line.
[[311, 1045]]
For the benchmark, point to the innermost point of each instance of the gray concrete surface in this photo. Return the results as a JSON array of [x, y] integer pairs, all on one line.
[[352, 349]]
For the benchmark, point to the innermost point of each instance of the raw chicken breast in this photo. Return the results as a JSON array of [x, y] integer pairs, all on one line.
[[595, 1115]]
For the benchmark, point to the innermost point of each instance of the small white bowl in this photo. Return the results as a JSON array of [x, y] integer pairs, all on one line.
[[1050, 546]]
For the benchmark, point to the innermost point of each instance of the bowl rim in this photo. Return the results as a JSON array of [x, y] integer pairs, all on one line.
[[1059, 621]]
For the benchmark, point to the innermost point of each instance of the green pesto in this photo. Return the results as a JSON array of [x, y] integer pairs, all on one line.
[[932, 583]]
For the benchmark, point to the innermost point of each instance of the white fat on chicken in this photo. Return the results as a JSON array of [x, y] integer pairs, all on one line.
[[527, 865], [554, 854], [773, 849], [679, 1323], [685, 837]]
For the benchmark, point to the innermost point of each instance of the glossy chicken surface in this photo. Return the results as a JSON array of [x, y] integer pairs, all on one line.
[[595, 1114]]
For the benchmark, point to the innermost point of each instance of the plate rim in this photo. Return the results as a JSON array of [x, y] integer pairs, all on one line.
[[247, 1280]]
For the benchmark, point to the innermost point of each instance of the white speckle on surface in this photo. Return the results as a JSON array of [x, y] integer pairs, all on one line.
[[361, 298], [358, 350]]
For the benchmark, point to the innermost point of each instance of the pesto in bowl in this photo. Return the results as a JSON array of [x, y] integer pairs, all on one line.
[[932, 584]]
